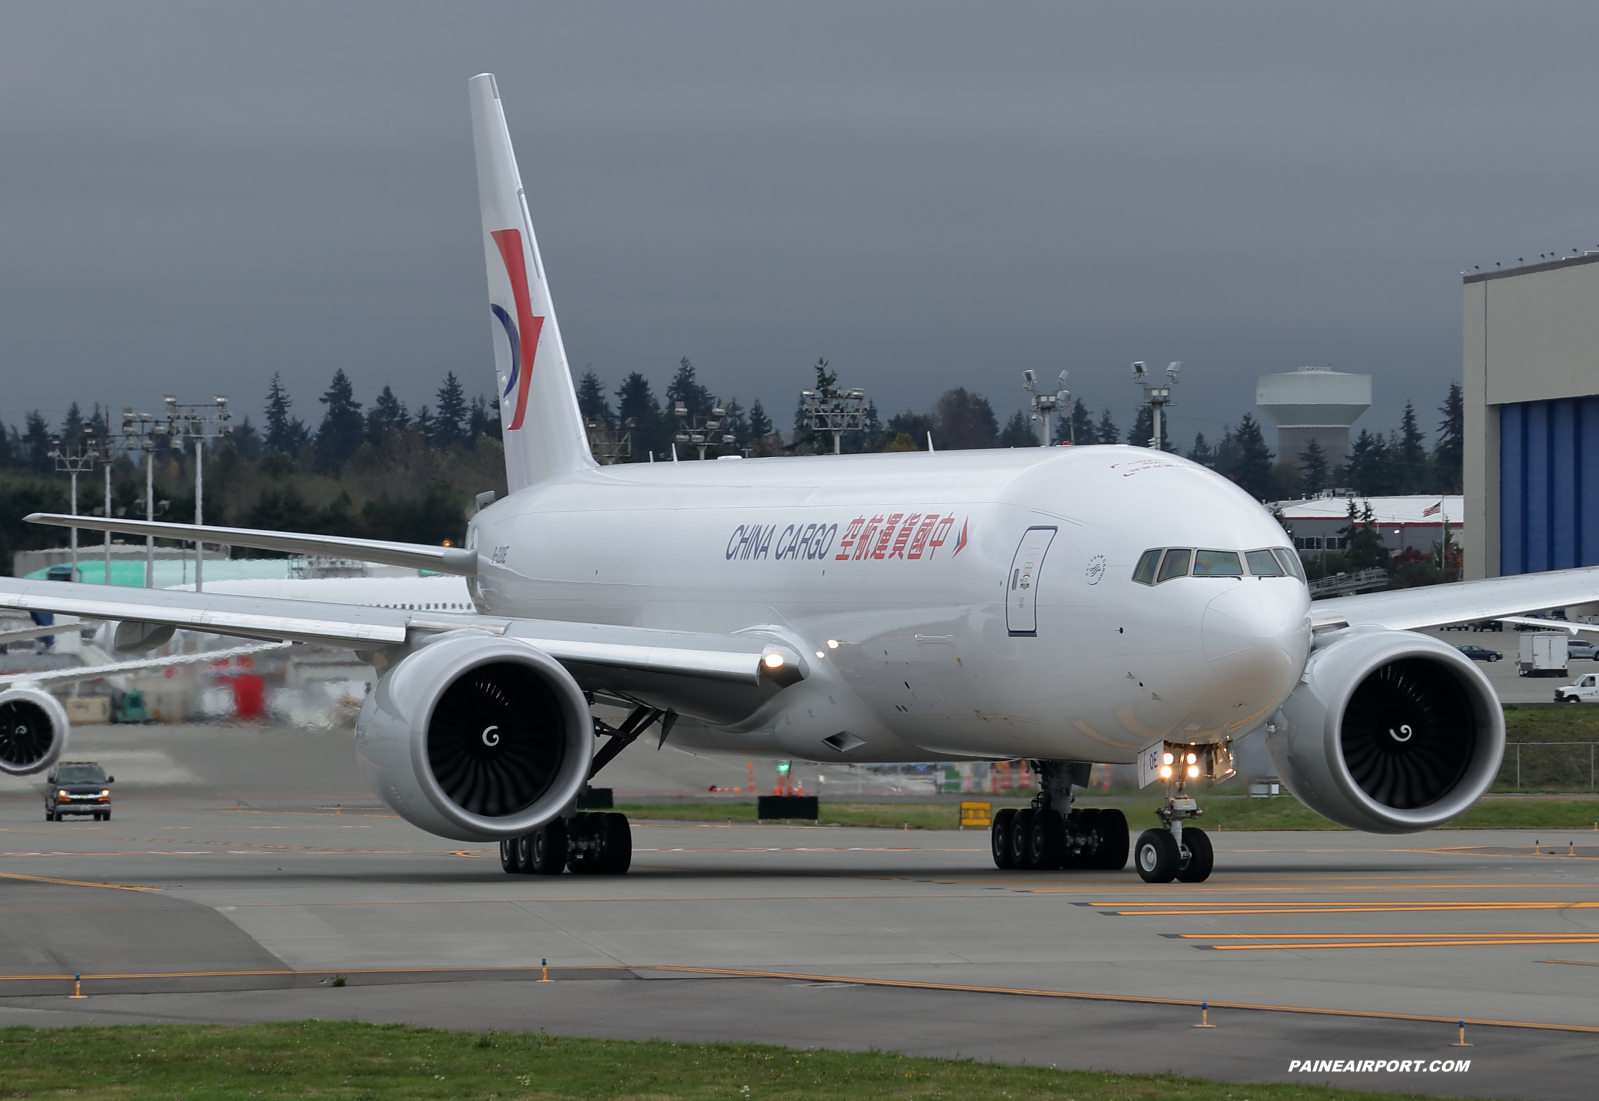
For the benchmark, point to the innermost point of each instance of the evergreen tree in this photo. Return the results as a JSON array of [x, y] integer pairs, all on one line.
[[1080, 429], [342, 426], [914, 426], [36, 443], [449, 422], [1364, 549], [1449, 455], [1313, 468], [1107, 431], [246, 441], [685, 388], [484, 420], [592, 402], [72, 426], [1252, 467], [1202, 453], [1367, 471], [735, 423], [285, 435], [1409, 455], [760, 423], [635, 401], [1018, 431], [965, 421], [1143, 427], [424, 422], [387, 413]]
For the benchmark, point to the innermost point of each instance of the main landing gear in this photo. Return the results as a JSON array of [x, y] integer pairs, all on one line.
[[587, 843], [1172, 850], [1051, 834]]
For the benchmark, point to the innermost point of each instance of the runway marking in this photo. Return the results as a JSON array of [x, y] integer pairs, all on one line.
[[1574, 963], [845, 980], [1402, 940], [1345, 908], [74, 882]]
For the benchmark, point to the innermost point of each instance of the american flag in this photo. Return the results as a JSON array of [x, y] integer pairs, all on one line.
[[1433, 510]]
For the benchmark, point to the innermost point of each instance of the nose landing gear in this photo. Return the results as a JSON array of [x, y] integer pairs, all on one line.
[[1172, 850]]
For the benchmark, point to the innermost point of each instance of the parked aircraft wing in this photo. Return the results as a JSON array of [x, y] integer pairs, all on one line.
[[116, 669], [748, 659], [419, 556], [1462, 601]]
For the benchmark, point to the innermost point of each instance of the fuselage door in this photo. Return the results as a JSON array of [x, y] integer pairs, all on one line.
[[1021, 603]]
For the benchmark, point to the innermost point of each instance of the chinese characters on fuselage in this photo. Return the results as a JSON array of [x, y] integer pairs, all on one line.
[[907, 536]]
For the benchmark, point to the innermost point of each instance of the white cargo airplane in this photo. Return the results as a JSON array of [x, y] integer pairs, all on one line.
[[1060, 605]]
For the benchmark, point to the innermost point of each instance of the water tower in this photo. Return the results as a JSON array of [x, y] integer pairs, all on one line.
[[1313, 403]]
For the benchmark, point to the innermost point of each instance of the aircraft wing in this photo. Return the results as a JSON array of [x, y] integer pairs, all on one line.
[[609, 656], [95, 672], [1438, 605], [419, 556]]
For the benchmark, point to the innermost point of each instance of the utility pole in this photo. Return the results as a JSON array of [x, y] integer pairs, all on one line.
[[836, 410], [1156, 396], [83, 457], [1045, 404], [201, 422]]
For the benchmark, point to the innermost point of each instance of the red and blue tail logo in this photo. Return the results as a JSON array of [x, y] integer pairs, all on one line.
[[524, 342]]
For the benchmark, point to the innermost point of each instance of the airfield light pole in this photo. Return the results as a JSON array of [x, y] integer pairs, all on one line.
[[142, 432], [837, 410], [74, 461], [1156, 395], [704, 435], [1045, 404], [201, 422]]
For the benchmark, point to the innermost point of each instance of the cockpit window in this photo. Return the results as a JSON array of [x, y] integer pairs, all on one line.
[[1263, 563], [1176, 565], [1290, 562], [1144, 574], [1217, 563]]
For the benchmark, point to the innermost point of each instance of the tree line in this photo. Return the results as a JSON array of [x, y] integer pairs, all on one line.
[[381, 470]]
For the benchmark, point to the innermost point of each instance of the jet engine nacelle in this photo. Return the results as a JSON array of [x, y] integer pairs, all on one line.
[[476, 738], [1388, 732], [33, 731]]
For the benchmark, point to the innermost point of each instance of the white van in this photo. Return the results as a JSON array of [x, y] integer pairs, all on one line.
[[1582, 690]]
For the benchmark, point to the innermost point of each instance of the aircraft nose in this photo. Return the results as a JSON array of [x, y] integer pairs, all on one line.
[[1255, 641]]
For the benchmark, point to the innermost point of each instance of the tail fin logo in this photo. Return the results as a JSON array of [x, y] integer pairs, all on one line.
[[524, 343]]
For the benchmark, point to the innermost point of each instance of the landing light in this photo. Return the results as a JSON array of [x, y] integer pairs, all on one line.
[[1193, 772], [1165, 770], [1192, 758], [1166, 759], [832, 644], [773, 661]]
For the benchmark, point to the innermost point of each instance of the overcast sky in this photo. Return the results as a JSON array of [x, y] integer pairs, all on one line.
[[930, 195]]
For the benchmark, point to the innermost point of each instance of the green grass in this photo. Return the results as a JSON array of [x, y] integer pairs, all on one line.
[[348, 1060], [1552, 724], [1221, 812]]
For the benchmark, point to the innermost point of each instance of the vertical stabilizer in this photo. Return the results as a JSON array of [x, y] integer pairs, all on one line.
[[539, 418]]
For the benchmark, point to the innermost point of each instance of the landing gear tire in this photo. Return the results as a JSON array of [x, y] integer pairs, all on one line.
[[1111, 828], [1021, 839], [618, 848], [999, 832], [1047, 840], [547, 849], [508, 855], [1157, 856], [1201, 856]]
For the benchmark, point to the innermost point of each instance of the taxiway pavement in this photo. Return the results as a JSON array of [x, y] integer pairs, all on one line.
[[242, 899]]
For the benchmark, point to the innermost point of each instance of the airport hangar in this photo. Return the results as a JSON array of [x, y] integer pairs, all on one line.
[[1531, 397]]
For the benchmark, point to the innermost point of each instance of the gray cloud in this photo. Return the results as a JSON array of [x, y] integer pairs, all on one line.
[[194, 196]]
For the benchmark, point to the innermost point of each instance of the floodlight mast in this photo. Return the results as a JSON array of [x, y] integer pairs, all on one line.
[[1046, 404], [199, 422], [74, 460], [1156, 395], [836, 410]]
